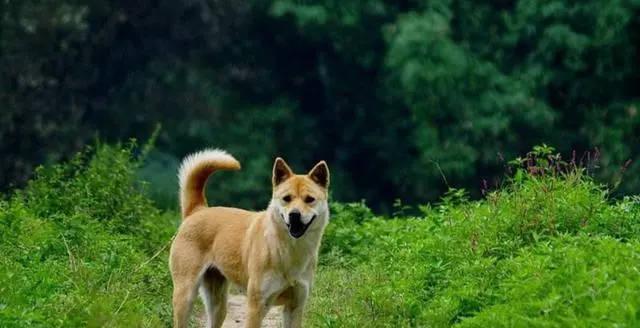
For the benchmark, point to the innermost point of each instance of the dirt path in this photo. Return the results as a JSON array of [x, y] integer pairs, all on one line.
[[237, 312]]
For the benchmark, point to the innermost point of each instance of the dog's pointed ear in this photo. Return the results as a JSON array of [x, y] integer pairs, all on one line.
[[320, 174], [281, 171]]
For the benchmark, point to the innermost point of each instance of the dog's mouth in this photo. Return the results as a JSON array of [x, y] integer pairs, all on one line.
[[297, 228]]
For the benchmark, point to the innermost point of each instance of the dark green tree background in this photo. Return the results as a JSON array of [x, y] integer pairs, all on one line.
[[385, 91]]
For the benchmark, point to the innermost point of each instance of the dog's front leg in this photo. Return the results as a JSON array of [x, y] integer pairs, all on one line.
[[292, 312], [255, 314], [256, 306]]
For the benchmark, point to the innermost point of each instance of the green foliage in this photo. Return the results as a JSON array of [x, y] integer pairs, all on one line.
[[548, 249], [83, 246], [570, 281]]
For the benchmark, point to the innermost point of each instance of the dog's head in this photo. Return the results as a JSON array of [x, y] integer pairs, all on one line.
[[300, 200]]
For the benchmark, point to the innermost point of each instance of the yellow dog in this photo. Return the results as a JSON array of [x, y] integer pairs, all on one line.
[[271, 254]]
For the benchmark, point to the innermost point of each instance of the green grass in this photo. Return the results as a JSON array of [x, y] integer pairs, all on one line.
[[83, 245]]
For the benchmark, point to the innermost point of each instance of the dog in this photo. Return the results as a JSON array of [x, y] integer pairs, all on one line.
[[271, 255]]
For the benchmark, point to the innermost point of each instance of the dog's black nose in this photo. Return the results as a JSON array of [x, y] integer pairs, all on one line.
[[294, 215]]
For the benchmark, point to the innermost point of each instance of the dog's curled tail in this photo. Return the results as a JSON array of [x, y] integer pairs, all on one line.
[[194, 172]]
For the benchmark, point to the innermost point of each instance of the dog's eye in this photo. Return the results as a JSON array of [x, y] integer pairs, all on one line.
[[287, 198], [309, 199]]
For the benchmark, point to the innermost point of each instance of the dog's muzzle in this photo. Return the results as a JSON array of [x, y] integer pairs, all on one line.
[[296, 227]]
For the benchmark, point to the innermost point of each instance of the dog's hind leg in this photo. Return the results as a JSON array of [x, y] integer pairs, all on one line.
[[213, 290], [184, 291], [186, 274]]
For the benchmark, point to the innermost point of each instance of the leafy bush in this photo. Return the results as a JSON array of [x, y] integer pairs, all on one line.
[[548, 249], [82, 246]]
